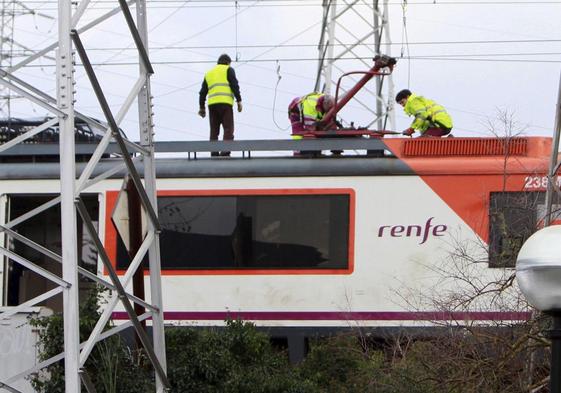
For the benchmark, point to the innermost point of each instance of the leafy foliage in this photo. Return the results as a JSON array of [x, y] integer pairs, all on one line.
[[479, 359], [112, 366], [348, 364], [240, 359], [237, 359]]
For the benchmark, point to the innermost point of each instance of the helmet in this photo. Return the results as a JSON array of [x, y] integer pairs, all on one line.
[[402, 94], [224, 59], [328, 102]]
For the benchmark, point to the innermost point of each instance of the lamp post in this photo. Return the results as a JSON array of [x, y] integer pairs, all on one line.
[[538, 272]]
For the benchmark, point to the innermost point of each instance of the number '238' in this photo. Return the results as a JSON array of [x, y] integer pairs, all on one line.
[[538, 182]]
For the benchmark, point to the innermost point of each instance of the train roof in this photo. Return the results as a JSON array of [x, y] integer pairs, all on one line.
[[366, 157]]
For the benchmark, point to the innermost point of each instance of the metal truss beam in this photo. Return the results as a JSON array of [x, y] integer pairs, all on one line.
[[8, 388], [60, 356], [64, 112], [111, 303], [28, 134], [30, 303], [82, 29], [114, 129], [37, 269], [31, 97], [122, 293], [57, 258], [334, 27], [87, 381]]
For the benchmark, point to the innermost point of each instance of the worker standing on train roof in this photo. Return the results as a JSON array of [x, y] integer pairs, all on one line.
[[431, 119], [221, 86], [304, 112]]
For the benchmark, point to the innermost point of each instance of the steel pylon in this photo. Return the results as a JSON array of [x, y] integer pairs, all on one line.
[[64, 111], [353, 33]]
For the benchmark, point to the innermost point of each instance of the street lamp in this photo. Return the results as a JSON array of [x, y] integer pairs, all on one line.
[[538, 272]]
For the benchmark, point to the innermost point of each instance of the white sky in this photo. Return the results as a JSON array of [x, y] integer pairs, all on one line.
[[474, 57]]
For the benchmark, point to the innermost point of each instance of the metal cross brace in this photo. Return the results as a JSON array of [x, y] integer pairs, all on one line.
[[121, 292]]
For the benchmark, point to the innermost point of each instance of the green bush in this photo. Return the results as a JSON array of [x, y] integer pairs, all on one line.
[[236, 359], [348, 364], [239, 359], [338, 364], [112, 366]]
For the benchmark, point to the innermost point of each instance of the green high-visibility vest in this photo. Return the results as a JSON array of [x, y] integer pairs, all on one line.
[[308, 105], [427, 113], [219, 91]]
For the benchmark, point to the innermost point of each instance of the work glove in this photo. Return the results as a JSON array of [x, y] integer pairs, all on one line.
[[240, 106], [408, 132], [202, 112]]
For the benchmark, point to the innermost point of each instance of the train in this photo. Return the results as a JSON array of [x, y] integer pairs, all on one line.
[[310, 244]]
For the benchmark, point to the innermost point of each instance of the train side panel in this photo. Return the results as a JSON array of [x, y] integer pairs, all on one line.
[[402, 234]]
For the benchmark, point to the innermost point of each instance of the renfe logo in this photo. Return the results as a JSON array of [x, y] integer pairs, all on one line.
[[413, 230]]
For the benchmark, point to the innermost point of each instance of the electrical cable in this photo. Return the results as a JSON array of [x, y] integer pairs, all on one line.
[[163, 48], [405, 39], [431, 58], [301, 3], [446, 58], [275, 99], [236, 6]]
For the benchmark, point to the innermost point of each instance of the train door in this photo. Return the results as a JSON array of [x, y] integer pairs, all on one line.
[[22, 284]]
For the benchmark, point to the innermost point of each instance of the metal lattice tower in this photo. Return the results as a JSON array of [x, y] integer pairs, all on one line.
[[353, 29], [64, 111], [11, 49]]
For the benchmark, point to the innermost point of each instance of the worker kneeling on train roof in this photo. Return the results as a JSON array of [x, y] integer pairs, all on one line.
[[431, 119], [304, 112]]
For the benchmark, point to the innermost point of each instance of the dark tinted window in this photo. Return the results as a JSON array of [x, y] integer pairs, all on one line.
[[513, 218], [254, 232], [45, 230]]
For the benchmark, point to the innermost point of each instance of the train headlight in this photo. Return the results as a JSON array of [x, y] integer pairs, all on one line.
[[538, 269]]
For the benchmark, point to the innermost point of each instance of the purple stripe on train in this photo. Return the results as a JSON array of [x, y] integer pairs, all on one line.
[[342, 316]]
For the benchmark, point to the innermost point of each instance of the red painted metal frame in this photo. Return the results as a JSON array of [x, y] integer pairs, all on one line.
[[327, 127], [111, 234]]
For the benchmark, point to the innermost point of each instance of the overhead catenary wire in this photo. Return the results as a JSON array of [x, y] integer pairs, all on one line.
[[404, 40], [279, 77], [274, 131], [166, 4], [259, 2], [337, 44], [459, 57], [255, 3], [280, 46], [456, 57], [236, 10]]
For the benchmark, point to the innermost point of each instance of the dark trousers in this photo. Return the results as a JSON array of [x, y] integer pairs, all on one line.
[[437, 131], [221, 114]]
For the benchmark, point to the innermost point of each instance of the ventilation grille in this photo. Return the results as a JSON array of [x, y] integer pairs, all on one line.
[[433, 147]]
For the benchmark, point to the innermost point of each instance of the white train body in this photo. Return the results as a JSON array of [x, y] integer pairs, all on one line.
[[372, 238]]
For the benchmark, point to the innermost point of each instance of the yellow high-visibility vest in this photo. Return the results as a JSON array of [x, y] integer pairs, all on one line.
[[427, 113], [219, 91], [309, 112]]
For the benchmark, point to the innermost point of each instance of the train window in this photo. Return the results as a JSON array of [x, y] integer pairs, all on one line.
[[304, 231], [513, 217], [24, 284]]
